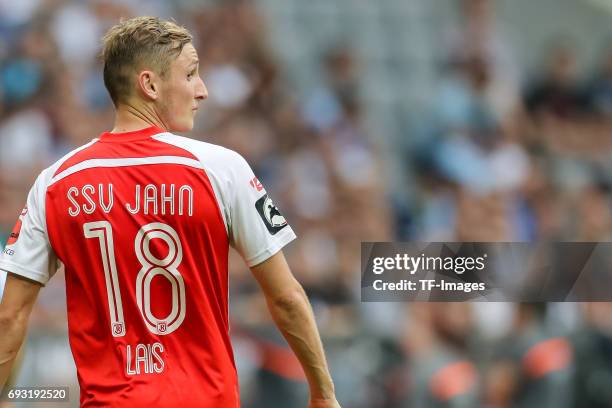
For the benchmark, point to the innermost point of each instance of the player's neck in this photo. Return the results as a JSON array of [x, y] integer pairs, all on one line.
[[130, 117]]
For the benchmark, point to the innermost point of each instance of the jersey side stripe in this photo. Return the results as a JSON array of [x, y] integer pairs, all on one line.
[[124, 162]]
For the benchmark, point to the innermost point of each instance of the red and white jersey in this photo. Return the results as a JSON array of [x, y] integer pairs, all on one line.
[[142, 222]]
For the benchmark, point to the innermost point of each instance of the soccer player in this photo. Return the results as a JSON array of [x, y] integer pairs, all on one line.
[[142, 220]]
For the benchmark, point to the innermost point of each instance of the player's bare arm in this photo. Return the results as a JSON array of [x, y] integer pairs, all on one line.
[[293, 315], [15, 308]]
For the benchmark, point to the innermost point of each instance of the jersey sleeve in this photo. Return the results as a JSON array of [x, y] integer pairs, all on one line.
[[257, 229], [28, 252]]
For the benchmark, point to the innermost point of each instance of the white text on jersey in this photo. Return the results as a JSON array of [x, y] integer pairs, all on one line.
[[151, 199], [147, 359]]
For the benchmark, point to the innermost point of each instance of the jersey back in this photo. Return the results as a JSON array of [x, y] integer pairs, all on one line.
[[142, 222]]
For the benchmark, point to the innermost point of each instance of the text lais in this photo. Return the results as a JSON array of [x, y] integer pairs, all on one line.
[[144, 359], [150, 199]]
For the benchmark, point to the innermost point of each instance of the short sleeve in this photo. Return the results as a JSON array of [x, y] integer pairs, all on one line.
[[28, 252], [257, 229]]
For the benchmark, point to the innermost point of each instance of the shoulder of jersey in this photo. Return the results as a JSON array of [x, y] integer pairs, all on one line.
[[201, 148], [212, 156]]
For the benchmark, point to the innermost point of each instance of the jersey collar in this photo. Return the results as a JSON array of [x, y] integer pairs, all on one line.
[[132, 136]]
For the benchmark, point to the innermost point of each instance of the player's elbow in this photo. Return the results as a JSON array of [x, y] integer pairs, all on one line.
[[12, 316], [290, 299], [12, 321], [13, 330], [6, 320]]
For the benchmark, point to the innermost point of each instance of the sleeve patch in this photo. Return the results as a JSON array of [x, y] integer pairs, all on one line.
[[270, 214]]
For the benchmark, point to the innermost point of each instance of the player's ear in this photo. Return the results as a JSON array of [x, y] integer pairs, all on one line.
[[147, 84]]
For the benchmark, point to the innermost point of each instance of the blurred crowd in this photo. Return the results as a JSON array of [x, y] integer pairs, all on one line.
[[511, 155], [503, 155]]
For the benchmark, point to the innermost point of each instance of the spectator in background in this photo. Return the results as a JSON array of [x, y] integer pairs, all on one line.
[[481, 36], [599, 90], [595, 212], [593, 347], [557, 93], [558, 105], [337, 96], [533, 367], [473, 152], [442, 371]]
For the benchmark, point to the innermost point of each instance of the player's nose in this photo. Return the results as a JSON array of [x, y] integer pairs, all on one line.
[[201, 90]]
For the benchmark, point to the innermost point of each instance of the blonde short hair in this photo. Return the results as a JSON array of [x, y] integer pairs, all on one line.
[[135, 44]]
